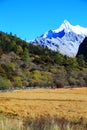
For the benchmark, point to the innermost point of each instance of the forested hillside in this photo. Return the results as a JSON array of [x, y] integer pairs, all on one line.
[[26, 65]]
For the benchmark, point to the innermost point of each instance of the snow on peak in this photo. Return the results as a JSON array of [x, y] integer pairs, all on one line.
[[66, 25], [66, 22], [66, 38], [68, 28]]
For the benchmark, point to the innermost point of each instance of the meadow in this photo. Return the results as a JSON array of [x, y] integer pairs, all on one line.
[[40, 108]]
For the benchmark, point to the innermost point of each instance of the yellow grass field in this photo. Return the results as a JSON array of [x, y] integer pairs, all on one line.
[[70, 104]]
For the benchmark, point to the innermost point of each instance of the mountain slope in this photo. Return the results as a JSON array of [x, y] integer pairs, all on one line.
[[66, 39], [23, 65], [83, 49]]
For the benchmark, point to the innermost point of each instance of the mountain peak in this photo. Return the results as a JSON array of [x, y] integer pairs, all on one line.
[[66, 22], [64, 26], [66, 38], [67, 27]]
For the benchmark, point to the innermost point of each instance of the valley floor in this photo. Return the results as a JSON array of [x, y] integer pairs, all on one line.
[[66, 104]]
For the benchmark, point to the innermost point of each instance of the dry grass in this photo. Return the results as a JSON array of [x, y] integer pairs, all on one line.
[[70, 104]]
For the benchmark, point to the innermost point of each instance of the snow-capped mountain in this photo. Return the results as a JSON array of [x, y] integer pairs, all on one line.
[[65, 39]]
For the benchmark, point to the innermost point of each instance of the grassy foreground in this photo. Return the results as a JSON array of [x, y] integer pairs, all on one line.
[[45, 104]]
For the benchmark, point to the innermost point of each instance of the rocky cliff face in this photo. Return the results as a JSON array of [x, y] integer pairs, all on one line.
[[83, 48]]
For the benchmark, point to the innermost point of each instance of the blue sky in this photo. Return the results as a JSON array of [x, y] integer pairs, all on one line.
[[31, 18]]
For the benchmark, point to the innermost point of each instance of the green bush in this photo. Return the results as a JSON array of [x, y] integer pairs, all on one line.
[[72, 81], [2, 72], [17, 81], [3, 84]]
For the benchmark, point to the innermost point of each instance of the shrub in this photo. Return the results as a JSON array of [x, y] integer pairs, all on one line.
[[59, 84], [17, 81], [2, 72], [72, 81], [3, 84]]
